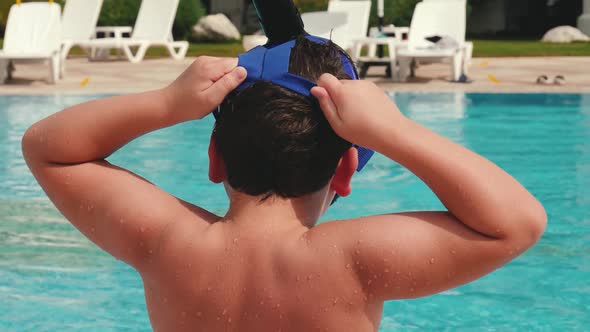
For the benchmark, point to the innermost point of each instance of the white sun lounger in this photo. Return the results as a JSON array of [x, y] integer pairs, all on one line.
[[78, 23], [435, 18], [153, 27], [331, 24], [468, 51], [359, 13], [33, 34]]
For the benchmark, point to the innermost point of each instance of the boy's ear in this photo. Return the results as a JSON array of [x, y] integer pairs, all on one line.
[[344, 172], [216, 166]]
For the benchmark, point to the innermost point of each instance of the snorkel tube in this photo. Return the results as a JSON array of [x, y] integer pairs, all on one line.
[[279, 19]]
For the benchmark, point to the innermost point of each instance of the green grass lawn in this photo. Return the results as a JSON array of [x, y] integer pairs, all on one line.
[[211, 49], [510, 48], [483, 48]]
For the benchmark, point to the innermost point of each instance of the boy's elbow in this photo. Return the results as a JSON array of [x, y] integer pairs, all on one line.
[[27, 143], [533, 222], [30, 144], [537, 221]]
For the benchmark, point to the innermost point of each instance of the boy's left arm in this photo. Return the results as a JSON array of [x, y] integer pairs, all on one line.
[[119, 211]]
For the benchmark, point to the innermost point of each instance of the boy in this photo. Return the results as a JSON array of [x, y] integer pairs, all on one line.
[[265, 265]]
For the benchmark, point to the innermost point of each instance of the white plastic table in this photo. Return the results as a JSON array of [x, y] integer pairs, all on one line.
[[391, 31], [372, 59], [113, 31], [116, 32]]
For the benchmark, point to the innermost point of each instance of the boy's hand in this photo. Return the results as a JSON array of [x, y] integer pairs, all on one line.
[[202, 87], [358, 111]]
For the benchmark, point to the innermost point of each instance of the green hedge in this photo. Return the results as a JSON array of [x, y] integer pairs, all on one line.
[[397, 12], [188, 14], [311, 5], [124, 12]]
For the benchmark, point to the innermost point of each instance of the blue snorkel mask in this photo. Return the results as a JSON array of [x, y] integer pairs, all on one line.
[[282, 25]]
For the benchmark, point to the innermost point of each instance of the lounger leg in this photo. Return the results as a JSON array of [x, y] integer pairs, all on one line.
[[54, 68], [468, 57], [11, 69], [357, 50], [62, 68], [4, 64], [392, 60], [404, 68], [364, 69], [92, 54], [97, 54], [182, 49], [65, 50], [457, 66], [372, 53], [413, 67], [138, 57], [66, 47]]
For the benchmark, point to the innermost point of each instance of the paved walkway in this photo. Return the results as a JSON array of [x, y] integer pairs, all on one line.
[[510, 75]]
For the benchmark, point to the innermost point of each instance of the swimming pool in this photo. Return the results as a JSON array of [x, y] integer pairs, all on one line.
[[52, 279]]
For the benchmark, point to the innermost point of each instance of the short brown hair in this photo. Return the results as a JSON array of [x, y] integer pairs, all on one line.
[[274, 141]]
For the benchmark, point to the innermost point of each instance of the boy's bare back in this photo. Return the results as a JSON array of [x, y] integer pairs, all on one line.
[[262, 280], [266, 266]]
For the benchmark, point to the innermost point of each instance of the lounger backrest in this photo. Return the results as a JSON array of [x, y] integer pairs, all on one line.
[[323, 24], [79, 19], [357, 27], [155, 19], [33, 28], [438, 18]]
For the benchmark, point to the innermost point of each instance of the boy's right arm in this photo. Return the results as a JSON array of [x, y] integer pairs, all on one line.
[[491, 218]]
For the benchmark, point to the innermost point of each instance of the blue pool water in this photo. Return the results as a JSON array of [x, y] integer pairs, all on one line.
[[52, 279]]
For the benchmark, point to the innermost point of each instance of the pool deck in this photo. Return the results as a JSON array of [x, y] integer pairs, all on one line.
[[513, 75]]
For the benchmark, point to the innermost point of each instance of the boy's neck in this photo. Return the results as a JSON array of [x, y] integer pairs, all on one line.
[[275, 212]]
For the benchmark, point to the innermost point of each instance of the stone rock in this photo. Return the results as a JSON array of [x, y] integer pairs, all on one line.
[[200, 32], [216, 27], [564, 34], [251, 41]]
